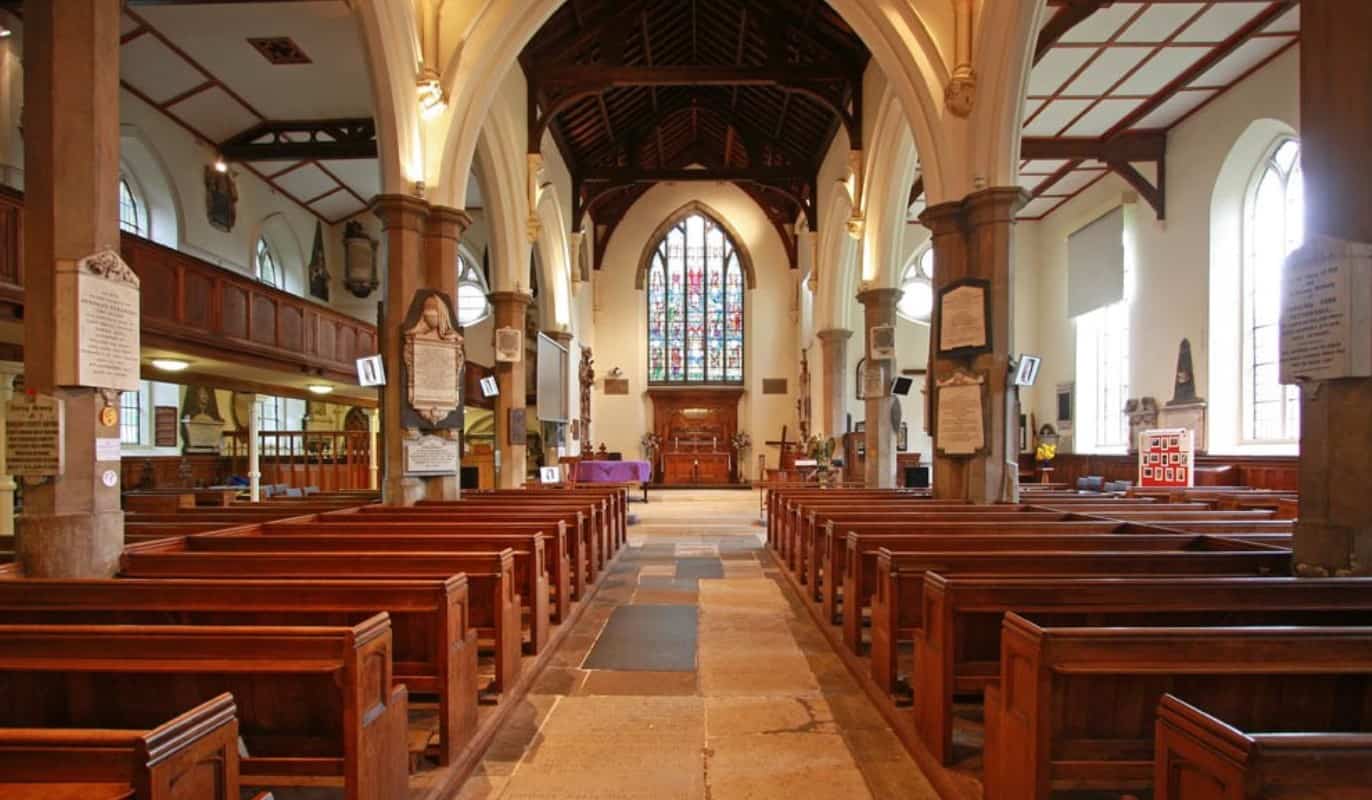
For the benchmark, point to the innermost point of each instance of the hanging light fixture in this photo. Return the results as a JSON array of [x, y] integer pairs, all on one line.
[[170, 364]]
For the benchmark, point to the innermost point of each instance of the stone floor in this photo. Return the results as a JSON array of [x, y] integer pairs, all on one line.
[[694, 674]]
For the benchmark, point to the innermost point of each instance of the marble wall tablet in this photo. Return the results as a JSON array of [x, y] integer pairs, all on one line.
[[434, 357], [961, 428], [431, 455], [102, 349]]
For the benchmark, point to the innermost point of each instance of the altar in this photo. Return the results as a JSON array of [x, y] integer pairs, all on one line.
[[696, 426]]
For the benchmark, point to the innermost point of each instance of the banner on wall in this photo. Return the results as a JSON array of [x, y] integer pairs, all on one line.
[[1167, 458]]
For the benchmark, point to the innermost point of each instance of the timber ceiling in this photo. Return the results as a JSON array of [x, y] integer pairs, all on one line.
[[1111, 78], [652, 90]]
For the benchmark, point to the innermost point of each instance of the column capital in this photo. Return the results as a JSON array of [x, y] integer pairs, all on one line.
[[511, 299], [879, 298], [448, 222], [401, 211], [834, 335], [996, 204], [943, 218]]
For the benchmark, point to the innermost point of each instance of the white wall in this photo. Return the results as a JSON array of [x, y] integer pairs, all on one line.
[[620, 320], [1171, 258]]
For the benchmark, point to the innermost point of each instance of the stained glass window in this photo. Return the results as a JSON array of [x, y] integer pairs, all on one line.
[[695, 306]]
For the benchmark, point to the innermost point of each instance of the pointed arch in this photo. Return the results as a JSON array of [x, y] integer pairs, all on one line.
[[645, 259]]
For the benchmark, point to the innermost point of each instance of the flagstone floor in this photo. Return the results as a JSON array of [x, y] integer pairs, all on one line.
[[694, 675]]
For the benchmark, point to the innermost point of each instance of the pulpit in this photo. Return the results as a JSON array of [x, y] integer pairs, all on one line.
[[697, 426]]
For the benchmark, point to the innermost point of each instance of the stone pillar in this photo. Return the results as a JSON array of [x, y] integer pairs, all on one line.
[[833, 375], [8, 371], [972, 238], [444, 231], [72, 525], [879, 306], [509, 311], [254, 451], [373, 462], [1334, 531], [403, 224]]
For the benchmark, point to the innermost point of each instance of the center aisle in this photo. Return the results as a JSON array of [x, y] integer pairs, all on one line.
[[693, 674]]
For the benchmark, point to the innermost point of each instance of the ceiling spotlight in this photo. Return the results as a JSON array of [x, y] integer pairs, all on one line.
[[170, 364], [320, 388], [432, 102], [220, 165]]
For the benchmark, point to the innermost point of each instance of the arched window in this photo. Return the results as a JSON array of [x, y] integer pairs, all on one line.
[[695, 306], [268, 269], [917, 283], [1274, 217], [132, 217], [472, 303]]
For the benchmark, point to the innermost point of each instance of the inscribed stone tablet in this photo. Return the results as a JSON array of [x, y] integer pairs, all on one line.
[[962, 318], [1326, 316], [434, 375], [102, 349], [960, 427], [431, 455], [33, 436]]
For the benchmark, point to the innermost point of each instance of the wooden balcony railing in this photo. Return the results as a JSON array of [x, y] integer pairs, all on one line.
[[328, 460], [193, 306]]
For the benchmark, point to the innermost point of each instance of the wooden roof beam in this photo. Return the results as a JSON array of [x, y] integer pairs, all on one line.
[[325, 139], [1070, 14]]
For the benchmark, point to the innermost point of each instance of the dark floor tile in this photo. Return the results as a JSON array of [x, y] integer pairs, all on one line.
[[659, 638], [699, 568]]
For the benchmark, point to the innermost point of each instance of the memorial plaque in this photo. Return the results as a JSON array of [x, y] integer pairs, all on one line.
[[874, 381], [164, 426], [961, 428], [107, 449], [102, 350], [616, 386], [1326, 315], [33, 436], [519, 427], [434, 357], [962, 318], [431, 455]]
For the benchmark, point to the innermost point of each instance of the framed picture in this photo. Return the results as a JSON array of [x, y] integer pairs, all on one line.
[[860, 427], [519, 429], [903, 437]]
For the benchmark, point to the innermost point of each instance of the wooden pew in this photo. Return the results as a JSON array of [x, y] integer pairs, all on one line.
[[435, 649], [316, 706], [527, 542], [1075, 705], [494, 604], [781, 505], [580, 545], [1199, 757], [612, 503], [956, 629], [193, 756], [833, 543], [860, 578], [602, 519]]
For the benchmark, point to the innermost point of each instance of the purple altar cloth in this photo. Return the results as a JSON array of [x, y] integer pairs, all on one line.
[[613, 472]]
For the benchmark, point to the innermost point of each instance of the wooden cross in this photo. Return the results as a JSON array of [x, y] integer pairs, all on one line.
[[788, 450]]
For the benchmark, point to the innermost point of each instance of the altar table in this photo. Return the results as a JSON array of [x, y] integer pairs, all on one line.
[[613, 472]]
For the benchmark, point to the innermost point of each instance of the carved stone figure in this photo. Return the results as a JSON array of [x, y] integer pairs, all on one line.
[[587, 375], [221, 199]]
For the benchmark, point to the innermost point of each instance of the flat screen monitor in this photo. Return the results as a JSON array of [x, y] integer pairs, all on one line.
[[1028, 371], [489, 387], [901, 385]]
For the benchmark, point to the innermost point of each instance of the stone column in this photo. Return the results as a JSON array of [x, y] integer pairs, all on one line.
[[972, 238], [509, 311], [254, 451], [444, 231], [833, 372], [879, 306], [1334, 531], [72, 525], [8, 371], [373, 462], [403, 224]]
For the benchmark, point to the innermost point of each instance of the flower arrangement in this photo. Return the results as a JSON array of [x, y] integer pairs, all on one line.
[[1045, 452], [651, 442], [741, 441]]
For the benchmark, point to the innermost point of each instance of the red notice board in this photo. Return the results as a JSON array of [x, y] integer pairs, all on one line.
[[1167, 457]]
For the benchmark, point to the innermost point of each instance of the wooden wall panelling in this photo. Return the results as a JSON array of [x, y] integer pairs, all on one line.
[[11, 237], [1259, 472]]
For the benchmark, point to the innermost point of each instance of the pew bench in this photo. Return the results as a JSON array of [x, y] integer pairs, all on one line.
[[435, 650], [957, 633], [193, 756], [1075, 707], [494, 609], [316, 706], [1200, 757]]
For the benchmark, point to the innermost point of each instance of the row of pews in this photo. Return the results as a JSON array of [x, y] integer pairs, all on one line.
[[301, 642], [1092, 643]]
